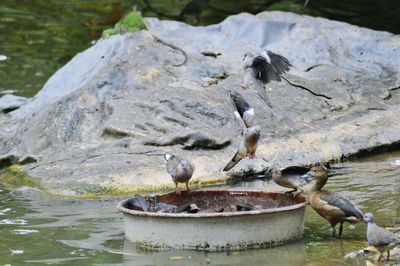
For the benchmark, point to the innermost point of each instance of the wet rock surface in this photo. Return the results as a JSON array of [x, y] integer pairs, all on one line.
[[105, 119]]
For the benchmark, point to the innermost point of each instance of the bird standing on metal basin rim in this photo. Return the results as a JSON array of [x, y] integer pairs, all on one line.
[[181, 171], [382, 239], [261, 69], [330, 205], [250, 132]]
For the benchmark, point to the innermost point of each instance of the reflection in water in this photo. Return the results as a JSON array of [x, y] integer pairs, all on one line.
[[87, 232], [288, 255]]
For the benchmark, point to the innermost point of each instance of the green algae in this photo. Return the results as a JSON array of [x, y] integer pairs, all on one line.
[[132, 22], [12, 177]]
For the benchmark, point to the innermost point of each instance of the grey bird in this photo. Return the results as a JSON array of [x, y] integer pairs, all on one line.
[[332, 206], [292, 177], [382, 239], [261, 69], [181, 170], [250, 132]]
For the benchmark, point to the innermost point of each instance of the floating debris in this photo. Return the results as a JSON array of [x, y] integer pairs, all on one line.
[[189, 208], [13, 221], [23, 231], [3, 57], [16, 251], [175, 258], [165, 208]]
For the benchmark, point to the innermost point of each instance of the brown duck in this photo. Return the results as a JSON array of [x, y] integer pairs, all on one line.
[[382, 239], [330, 205]]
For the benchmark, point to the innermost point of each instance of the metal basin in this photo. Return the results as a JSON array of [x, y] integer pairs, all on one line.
[[280, 219]]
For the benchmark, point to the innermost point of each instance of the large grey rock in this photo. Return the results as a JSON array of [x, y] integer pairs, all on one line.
[[105, 119]]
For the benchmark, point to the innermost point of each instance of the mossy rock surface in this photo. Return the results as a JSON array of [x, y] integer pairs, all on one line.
[[132, 22]]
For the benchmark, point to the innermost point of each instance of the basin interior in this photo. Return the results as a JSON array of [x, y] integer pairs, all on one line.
[[209, 201]]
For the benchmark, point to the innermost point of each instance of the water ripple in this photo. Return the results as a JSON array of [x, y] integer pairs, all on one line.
[[23, 231], [14, 221]]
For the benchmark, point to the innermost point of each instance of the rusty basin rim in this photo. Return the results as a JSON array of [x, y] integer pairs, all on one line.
[[296, 206]]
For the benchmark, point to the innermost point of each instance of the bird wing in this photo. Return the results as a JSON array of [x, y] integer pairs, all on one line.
[[263, 71], [243, 111], [378, 236], [341, 202], [279, 63]]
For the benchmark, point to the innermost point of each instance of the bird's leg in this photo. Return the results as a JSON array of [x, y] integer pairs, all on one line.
[[177, 191], [380, 257], [291, 191], [252, 155], [340, 230], [388, 256], [188, 188], [333, 230]]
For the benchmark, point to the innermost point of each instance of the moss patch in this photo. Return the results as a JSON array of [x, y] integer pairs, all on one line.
[[132, 22], [12, 177]]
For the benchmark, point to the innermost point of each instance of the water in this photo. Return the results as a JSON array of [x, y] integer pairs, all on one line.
[[37, 37], [37, 228]]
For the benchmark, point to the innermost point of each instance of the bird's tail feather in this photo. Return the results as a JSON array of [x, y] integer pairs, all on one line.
[[232, 162]]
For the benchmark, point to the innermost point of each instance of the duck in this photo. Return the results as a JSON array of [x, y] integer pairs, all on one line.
[[261, 69], [332, 206], [250, 132], [292, 177], [380, 238], [181, 171]]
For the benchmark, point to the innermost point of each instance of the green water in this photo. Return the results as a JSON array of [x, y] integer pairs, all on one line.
[[40, 36], [90, 232]]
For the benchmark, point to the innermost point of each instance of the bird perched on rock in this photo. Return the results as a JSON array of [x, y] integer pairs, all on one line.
[[379, 237], [292, 177], [181, 170], [330, 205], [250, 134], [261, 69]]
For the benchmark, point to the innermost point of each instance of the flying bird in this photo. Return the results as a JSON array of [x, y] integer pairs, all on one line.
[[181, 170], [332, 206], [250, 132], [379, 237], [261, 69]]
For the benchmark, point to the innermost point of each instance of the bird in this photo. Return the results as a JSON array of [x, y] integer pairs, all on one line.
[[330, 205], [261, 69], [382, 239], [250, 132], [181, 171], [292, 177]]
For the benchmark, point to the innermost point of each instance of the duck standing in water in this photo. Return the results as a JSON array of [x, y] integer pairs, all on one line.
[[382, 239], [250, 132], [261, 69], [181, 170], [330, 205], [292, 177]]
